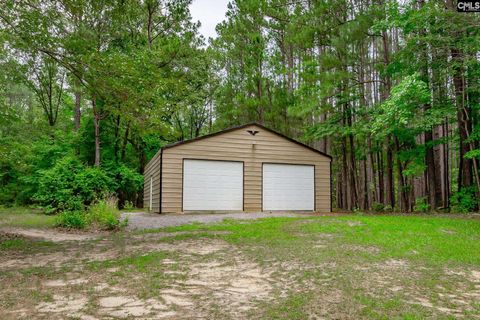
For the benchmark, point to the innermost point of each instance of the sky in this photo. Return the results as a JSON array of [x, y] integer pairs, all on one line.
[[209, 13]]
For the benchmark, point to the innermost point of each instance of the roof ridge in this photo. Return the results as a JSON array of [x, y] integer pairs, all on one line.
[[172, 145]]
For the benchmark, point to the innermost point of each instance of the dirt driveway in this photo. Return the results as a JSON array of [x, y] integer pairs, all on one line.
[[143, 220]]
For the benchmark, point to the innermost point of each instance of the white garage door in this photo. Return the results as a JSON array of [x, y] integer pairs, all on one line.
[[212, 185], [288, 187]]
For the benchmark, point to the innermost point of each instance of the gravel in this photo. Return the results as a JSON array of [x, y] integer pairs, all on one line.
[[143, 220]]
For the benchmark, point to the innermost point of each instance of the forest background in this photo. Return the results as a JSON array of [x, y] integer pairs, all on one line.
[[91, 89]]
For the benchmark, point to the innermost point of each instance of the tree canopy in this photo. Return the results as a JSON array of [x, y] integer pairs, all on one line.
[[91, 89]]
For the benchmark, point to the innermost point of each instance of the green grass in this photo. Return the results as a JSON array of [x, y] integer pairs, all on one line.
[[23, 217], [293, 307], [139, 262], [24, 245], [378, 308], [421, 238], [429, 239]]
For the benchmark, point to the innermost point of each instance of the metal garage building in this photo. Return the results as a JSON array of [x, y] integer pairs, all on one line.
[[246, 168]]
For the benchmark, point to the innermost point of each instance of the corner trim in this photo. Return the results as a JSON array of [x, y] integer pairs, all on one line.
[[331, 187], [161, 176]]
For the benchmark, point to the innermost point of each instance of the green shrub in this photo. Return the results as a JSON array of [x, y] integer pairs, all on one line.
[[465, 200], [388, 208], [377, 207], [8, 194], [421, 205], [104, 214], [128, 182], [72, 220], [128, 205], [92, 183], [70, 186]]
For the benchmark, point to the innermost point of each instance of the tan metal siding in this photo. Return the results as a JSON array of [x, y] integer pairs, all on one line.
[[152, 169], [237, 146]]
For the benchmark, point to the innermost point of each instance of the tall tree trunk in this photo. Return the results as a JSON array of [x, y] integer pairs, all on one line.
[[389, 185], [142, 160], [445, 167], [465, 176], [96, 125], [371, 173], [344, 189], [431, 176], [125, 141], [438, 154], [352, 167], [403, 191], [364, 205], [78, 111], [381, 178], [116, 142]]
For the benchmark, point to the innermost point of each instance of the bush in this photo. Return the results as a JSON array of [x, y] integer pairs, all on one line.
[[70, 186], [465, 200], [128, 205], [421, 205], [388, 208], [72, 220], [377, 207], [128, 182], [104, 214], [92, 183]]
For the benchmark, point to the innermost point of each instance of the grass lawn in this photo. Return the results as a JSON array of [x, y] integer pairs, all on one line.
[[25, 218], [328, 267]]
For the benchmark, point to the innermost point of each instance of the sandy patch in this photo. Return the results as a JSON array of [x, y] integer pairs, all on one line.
[[50, 234], [470, 275], [448, 231], [354, 223], [234, 286], [127, 306], [395, 288], [101, 286], [163, 235], [424, 302], [176, 299], [204, 248], [475, 276], [64, 283], [364, 249], [283, 266], [65, 305], [200, 246], [394, 264], [113, 302], [55, 259]]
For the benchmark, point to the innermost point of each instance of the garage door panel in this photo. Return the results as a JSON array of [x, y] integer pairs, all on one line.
[[288, 187], [212, 185]]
